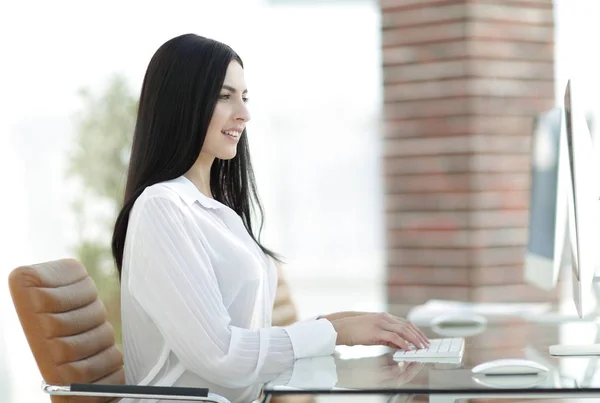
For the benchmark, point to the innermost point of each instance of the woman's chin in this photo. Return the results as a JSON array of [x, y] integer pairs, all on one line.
[[227, 155]]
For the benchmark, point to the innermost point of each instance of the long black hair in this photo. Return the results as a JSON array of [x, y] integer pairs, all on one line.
[[179, 93]]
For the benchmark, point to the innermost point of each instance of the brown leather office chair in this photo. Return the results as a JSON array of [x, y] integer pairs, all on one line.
[[71, 340]]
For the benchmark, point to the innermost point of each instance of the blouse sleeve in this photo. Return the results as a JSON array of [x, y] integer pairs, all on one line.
[[172, 279]]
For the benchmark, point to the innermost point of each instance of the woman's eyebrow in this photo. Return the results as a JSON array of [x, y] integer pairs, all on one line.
[[230, 88]]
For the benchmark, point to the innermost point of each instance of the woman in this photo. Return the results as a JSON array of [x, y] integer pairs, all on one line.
[[197, 285]]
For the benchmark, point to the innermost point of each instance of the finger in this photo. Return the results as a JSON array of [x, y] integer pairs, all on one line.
[[420, 333], [406, 332], [393, 339], [416, 330]]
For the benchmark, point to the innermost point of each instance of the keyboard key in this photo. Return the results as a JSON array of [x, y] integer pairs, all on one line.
[[438, 348]]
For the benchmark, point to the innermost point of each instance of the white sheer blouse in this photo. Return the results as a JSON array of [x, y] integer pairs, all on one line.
[[197, 298]]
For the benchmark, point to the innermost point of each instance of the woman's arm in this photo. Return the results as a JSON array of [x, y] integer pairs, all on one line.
[[172, 279]]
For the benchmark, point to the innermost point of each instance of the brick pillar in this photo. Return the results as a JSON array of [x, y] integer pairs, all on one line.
[[463, 81]]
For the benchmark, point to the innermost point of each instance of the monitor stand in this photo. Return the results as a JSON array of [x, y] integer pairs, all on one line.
[[582, 349]]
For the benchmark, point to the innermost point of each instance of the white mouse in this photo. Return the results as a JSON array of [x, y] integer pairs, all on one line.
[[458, 320], [510, 367], [511, 381]]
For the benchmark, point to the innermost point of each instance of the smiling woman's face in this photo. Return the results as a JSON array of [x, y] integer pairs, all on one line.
[[229, 118]]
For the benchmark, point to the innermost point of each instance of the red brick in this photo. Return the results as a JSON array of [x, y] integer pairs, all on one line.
[[500, 163], [426, 146], [431, 70], [461, 238], [410, 275], [502, 125], [494, 237], [498, 255], [502, 87], [386, 5], [500, 199], [428, 239], [432, 221], [509, 106], [416, 222], [465, 238], [433, 184], [498, 219], [448, 32], [500, 31], [425, 53], [416, 202], [499, 181], [447, 257], [504, 145], [507, 50], [441, 13], [497, 275], [461, 87], [452, 107], [503, 11], [435, 127], [514, 69], [464, 106], [426, 90], [437, 164], [459, 125]]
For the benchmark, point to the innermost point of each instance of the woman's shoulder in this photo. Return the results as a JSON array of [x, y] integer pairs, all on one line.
[[163, 190], [159, 196]]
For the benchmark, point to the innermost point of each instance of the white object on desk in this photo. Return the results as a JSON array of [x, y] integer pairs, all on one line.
[[438, 348], [510, 367], [575, 349], [424, 314], [512, 381], [458, 324], [459, 319]]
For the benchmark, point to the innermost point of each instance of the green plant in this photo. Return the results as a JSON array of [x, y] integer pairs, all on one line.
[[98, 165]]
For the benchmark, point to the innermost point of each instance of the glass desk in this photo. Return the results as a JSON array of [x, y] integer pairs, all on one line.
[[364, 370]]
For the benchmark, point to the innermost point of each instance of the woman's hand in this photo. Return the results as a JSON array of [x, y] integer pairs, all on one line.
[[377, 329]]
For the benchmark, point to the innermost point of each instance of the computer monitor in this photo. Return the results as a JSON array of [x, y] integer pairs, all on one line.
[[551, 234], [583, 202], [547, 201]]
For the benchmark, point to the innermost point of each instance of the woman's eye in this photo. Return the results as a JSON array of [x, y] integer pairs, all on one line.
[[245, 99], [225, 96]]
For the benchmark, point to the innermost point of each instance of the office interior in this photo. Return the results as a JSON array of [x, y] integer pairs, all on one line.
[[399, 149]]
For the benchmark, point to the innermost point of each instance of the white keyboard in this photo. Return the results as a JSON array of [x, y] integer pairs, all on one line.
[[438, 348]]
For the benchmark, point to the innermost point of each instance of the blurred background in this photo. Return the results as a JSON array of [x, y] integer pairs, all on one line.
[[390, 139]]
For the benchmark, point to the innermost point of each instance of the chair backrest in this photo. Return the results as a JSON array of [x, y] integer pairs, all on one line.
[[284, 310], [66, 326]]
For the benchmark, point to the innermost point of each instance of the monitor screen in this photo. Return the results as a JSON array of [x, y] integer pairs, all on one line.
[[547, 202]]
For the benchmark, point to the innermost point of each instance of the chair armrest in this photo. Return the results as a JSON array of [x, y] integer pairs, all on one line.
[[135, 392]]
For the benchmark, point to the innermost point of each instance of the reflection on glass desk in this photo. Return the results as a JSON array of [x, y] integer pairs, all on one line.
[[372, 370]]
